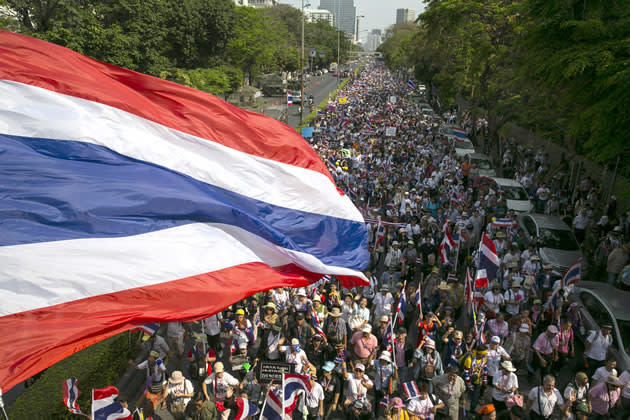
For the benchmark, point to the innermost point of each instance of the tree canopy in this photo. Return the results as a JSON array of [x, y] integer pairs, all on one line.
[[207, 44], [557, 67]]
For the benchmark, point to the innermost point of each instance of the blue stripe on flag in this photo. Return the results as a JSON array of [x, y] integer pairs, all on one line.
[[63, 190]]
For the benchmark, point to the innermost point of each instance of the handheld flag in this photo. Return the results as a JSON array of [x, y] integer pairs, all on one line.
[[468, 292], [316, 324], [144, 196], [289, 99], [105, 408], [459, 134], [402, 305], [573, 274], [411, 84], [149, 329], [246, 409], [488, 262], [411, 390], [70, 393]]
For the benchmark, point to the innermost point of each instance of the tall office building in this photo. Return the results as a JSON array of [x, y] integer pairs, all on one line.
[[405, 15], [344, 12], [374, 39]]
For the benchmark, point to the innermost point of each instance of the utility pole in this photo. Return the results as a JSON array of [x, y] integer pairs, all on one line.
[[302, 67]]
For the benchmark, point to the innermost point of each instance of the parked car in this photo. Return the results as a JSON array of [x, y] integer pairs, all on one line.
[[463, 147], [483, 165], [515, 195], [605, 304], [556, 243], [297, 97]]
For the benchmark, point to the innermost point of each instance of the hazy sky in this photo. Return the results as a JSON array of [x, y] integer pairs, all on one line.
[[379, 14]]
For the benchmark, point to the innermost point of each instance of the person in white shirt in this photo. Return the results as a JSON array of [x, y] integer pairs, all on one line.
[[596, 347], [381, 300], [217, 385], [624, 378], [179, 391], [513, 298], [175, 337], [315, 398], [504, 385], [496, 354], [603, 372], [294, 355], [579, 388], [543, 399], [212, 329], [493, 298], [358, 384], [426, 405]]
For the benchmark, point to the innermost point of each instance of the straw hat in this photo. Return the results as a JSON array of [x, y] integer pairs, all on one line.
[[335, 313], [613, 380], [176, 378], [500, 235], [443, 286]]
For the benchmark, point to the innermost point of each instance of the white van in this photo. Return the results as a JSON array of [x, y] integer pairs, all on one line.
[[516, 196]]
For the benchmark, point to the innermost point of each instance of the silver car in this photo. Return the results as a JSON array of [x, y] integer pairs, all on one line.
[[605, 304], [556, 243]]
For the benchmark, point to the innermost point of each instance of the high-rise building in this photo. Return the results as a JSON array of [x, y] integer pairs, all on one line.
[[259, 4], [405, 15], [315, 15], [344, 12], [374, 39]]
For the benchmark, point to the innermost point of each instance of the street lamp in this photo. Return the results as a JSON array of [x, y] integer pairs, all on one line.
[[356, 31]]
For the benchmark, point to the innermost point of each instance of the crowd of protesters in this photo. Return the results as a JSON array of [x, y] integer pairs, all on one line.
[[445, 352]]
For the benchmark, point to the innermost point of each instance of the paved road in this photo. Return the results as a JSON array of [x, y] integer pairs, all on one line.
[[319, 87]]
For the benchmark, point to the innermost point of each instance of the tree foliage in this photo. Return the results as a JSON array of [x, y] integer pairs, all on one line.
[[207, 44], [558, 67]]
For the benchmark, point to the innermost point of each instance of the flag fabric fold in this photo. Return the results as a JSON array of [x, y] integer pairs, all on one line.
[[70, 392], [246, 409], [148, 202], [104, 406]]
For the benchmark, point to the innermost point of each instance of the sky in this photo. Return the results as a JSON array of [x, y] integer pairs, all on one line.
[[379, 14]]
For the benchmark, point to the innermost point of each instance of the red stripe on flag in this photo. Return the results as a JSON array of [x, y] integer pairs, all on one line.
[[45, 336], [38, 63]]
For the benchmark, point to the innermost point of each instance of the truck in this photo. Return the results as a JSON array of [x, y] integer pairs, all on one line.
[[333, 67]]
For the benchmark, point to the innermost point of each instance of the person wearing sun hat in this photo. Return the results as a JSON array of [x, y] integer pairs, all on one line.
[[216, 386], [335, 329], [357, 386], [385, 370], [605, 397], [179, 391], [504, 384], [397, 410]]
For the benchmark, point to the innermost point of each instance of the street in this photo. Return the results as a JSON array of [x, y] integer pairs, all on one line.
[[319, 87]]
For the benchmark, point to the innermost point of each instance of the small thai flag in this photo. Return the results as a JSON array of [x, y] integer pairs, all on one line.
[[573, 274], [149, 329], [452, 278], [504, 223], [320, 113], [71, 395], [246, 409], [411, 84], [384, 402], [402, 306], [327, 278], [316, 325], [411, 390], [289, 99], [460, 134], [104, 406], [418, 298]]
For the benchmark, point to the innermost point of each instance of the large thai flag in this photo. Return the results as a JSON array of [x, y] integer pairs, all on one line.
[[246, 409], [293, 385], [488, 262], [70, 393], [411, 84], [273, 406], [573, 274], [128, 199], [105, 408]]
